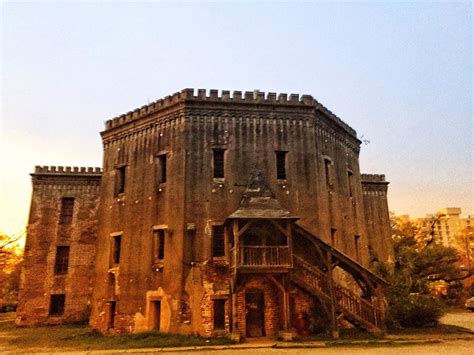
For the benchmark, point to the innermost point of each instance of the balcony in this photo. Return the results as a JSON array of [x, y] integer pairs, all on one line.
[[262, 258]]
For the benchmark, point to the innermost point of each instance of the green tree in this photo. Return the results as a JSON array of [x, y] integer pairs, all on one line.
[[419, 264]]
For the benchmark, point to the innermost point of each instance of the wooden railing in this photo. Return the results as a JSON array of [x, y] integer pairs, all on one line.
[[346, 300], [262, 256]]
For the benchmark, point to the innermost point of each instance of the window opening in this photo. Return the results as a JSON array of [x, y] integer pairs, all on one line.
[[218, 160], [62, 260], [161, 168], [218, 241], [56, 306], [67, 209], [281, 165], [120, 180], [219, 314], [117, 249]]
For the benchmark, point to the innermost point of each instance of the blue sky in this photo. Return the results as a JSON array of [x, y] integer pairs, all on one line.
[[399, 73]]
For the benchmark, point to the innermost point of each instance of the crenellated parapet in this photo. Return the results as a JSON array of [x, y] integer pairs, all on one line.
[[255, 97], [67, 170]]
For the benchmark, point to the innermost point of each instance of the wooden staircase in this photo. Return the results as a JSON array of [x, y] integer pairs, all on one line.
[[356, 309]]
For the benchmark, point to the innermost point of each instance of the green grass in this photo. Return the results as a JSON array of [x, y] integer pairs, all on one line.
[[79, 337]]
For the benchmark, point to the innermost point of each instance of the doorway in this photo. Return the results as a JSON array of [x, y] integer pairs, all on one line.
[[155, 314], [254, 321]]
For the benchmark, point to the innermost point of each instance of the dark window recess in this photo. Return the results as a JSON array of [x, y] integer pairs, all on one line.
[[67, 209], [62, 260], [281, 165], [218, 161], [159, 244], [219, 314], [116, 250], [218, 244], [328, 172], [56, 306], [333, 236], [161, 172], [120, 177], [350, 178]]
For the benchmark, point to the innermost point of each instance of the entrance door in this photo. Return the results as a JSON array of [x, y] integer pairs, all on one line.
[[155, 314], [254, 318]]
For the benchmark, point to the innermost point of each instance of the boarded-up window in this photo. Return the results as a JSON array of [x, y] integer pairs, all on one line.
[[67, 210], [117, 245], [158, 245], [120, 179], [56, 305], [219, 314], [161, 168], [218, 163], [62, 260], [281, 165], [218, 243], [328, 172]]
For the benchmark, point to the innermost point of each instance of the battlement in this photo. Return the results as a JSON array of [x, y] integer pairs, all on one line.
[[225, 96], [69, 170], [368, 178]]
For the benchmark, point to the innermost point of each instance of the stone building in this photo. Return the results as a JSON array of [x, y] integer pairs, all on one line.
[[229, 214], [58, 272]]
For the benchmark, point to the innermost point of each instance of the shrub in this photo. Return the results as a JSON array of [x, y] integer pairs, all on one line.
[[413, 310]]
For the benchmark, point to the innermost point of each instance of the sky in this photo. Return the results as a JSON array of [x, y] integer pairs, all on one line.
[[400, 73]]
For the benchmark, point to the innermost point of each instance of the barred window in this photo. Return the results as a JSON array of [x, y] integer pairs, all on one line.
[[62, 260], [56, 305], [218, 241], [218, 163], [67, 210]]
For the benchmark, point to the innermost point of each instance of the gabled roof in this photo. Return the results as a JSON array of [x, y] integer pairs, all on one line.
[[258, 201]]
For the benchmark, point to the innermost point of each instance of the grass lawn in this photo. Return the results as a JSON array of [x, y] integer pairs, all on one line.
[[79, 337]]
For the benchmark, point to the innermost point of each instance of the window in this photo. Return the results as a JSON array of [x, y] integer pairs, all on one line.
[[56, 305], [62, 260], [281, 165], [350, 182], [67, 209], [116, 249], [356, 244], [158, 245], [219, 314], [120, 177], [328, 172], [218, 242], [333, 236], [218, 161], [161, 168]]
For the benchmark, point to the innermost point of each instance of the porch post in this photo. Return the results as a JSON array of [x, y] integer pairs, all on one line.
[[286, 304], [334, 328]]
